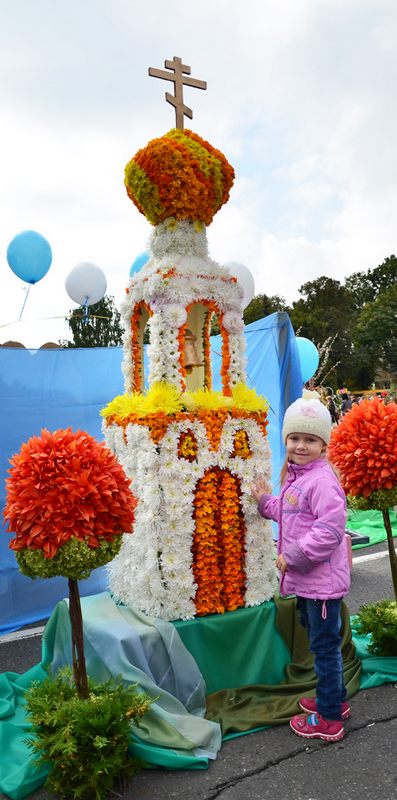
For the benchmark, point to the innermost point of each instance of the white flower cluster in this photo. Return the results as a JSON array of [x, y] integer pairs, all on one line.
[[184, 237], [154, 568]]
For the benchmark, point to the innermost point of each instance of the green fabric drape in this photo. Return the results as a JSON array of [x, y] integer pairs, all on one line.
[[244, 708], [237, 648]]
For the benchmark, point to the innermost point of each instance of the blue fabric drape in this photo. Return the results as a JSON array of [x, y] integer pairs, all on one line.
[[67, 388]]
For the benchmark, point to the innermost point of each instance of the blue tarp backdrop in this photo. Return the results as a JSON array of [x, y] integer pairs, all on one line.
[[67, 388]]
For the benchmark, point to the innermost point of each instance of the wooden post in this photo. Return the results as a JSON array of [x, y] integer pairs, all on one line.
[[392, 552], [76, 621]]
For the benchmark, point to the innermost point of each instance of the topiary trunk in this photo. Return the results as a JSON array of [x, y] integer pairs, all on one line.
[[76, 620], [392, 552]]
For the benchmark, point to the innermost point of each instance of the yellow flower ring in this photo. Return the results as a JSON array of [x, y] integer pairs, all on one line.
[[179, 175]]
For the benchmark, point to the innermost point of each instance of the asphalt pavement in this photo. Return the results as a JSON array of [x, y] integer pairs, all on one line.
[[274, 764]]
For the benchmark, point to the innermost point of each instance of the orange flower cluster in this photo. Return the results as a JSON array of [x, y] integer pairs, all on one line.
[[225, 369], [179, 175], [232, 529], [241, 445], [207, 350], [364, 447], [187, 446], [213, 420], [136, 345], [218, 547], [65, 485]]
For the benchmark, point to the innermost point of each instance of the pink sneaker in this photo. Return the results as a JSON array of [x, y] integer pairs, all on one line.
[[313, 726], [309, 704]]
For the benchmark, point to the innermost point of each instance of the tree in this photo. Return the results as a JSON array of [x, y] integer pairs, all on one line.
[[260, 306], [74, 523], [101, 328], [324, 314], [364, 287], [376, 330]]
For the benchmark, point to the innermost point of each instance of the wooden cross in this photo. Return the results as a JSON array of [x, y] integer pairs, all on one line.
[[179, 71]]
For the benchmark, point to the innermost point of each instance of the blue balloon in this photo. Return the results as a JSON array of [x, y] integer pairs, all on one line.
[[139, 262], [29, 255], [308, 357]]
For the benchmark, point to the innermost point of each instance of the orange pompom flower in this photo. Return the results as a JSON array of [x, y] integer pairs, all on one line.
[[179, 175], [68, 502], [364, 449]]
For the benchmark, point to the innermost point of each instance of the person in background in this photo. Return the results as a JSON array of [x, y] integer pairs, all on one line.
[[331, 405], [312, 557], [346, 404]]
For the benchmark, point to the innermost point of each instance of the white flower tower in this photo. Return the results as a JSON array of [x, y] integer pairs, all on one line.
[[198, 545]]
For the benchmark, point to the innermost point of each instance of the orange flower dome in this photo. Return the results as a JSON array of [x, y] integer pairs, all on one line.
[[65, 488], [364, 449], [179, 175]]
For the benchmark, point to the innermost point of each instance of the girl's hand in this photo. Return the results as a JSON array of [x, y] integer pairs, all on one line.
[[260, 487], [281, 564]]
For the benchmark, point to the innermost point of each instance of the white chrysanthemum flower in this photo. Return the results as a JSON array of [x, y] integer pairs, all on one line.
[[175, 315]]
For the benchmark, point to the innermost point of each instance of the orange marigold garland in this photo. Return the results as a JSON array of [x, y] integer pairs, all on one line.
[[232, 532], [206, 548], [225, 370], [187, 446], [136, 345], [207, 350], [218, 547], [241, 445], [68, 502]]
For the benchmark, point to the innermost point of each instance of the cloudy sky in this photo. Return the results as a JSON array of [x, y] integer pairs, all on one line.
[[300, 98]]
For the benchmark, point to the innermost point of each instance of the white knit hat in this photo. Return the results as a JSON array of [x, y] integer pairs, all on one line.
[[308, 415]]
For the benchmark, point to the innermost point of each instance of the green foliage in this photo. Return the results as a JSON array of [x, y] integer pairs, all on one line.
[[261, 306], [102, 329], [85, 742], [380, 620], [376, 329], [380, 499], [74, 559], [325, 313]]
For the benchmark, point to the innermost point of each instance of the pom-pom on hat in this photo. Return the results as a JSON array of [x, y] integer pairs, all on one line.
[[308, 415]]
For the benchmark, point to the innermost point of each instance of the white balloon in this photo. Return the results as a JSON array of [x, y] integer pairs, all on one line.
[[86, 284], [245, 279]]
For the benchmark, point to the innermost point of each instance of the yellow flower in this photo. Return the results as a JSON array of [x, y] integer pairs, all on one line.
[[163, 397], [123, 405], [206, 400], [247, 399]]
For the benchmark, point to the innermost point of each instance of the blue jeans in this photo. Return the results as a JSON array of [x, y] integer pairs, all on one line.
[[325, 640]]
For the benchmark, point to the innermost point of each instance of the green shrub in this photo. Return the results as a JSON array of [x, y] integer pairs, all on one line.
[[84, 742], [380, 620]]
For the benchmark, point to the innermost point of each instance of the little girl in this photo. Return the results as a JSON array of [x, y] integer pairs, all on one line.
[[312, 557]]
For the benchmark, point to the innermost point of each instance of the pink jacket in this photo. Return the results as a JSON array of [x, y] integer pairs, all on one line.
[[311, 516]]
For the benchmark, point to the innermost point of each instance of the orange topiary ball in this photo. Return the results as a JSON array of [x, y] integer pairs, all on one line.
[[364, 449], [179, 175], [65, 488]]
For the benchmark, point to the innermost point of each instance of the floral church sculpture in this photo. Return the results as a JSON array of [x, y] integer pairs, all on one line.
[[198, 545]]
